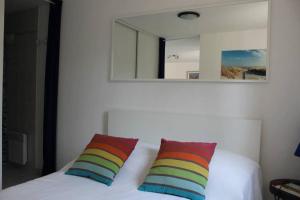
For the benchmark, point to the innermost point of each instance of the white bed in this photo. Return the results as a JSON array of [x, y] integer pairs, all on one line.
[[232, 176]]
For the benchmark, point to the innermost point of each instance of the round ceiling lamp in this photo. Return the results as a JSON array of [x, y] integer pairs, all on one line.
[[188, 15]]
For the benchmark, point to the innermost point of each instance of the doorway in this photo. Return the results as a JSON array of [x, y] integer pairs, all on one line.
[[25, 52]]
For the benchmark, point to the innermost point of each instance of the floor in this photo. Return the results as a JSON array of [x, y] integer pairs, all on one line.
[[15, 174]]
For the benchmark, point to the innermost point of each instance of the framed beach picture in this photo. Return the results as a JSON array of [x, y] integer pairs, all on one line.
[[193, 75], [244, 64]]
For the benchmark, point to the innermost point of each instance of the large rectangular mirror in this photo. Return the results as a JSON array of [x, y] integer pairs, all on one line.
[[213, 43]]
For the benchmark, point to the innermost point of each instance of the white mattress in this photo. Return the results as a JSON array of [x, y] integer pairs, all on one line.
[[232, 177]]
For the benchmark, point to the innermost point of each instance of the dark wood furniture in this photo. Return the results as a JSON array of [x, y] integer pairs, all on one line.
[[279, 194]]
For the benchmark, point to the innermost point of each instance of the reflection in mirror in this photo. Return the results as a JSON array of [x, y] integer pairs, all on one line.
[[182, 56], [226, 42]]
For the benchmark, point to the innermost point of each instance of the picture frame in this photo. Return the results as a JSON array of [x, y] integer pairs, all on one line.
[[244, 64], [193, 75]]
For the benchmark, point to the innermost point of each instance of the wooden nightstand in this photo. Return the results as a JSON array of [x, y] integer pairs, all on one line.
[[281, 194]]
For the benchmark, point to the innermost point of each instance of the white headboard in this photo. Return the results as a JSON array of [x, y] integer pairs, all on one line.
[[241, 136]]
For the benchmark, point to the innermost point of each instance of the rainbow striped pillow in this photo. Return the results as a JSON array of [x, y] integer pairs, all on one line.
[[103, 158], [181, 169]]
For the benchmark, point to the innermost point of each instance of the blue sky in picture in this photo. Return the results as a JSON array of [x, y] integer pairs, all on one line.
[[244, 58]]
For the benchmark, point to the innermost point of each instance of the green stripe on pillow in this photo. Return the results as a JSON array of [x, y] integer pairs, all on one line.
[[99, 161], [181, 173]]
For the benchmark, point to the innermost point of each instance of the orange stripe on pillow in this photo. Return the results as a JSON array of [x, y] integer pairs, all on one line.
[[184, 156], [109, 149]]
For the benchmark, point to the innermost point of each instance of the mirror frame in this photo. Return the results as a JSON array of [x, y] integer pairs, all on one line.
[[152, 12]]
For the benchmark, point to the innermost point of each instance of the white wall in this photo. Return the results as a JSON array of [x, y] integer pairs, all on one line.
[[212, 45], [1, 79], [188, 52], [85, 92], [177, 70]]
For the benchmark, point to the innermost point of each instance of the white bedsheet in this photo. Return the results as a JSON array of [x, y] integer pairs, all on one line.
[[232, 177]]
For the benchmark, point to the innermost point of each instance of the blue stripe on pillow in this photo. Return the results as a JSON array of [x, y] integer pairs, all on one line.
[[176, 182], [95, 168], [90, 174], [148, 187]]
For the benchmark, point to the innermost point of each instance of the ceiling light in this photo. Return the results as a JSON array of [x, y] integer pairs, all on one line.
[[188, 15]]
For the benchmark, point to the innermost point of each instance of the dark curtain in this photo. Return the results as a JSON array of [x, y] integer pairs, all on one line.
[[161, 59], [51, 88]]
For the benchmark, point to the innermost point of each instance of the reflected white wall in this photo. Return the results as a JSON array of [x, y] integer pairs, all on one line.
[[213, 44]]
